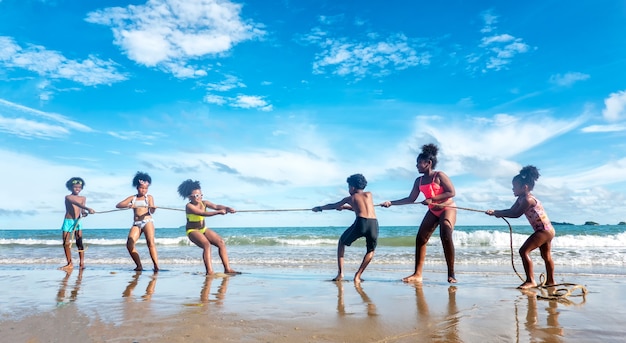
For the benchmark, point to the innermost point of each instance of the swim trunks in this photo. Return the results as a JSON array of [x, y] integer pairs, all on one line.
[[68, 225], [362, 227], [432, 189]]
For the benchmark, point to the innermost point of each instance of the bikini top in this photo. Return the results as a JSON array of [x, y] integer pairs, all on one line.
[[140, 203], [194, 218]]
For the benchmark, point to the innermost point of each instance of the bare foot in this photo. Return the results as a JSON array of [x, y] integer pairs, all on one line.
[[67, 267], [156, 268], [451, 279], [138, 269], [339, 277], [412, 278], [527, 285], [231, 272]]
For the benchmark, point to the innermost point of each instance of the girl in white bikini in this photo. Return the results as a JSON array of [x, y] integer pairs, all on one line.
[[143, 208]]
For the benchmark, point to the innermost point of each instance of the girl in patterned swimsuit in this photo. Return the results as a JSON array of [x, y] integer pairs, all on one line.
[[143, 207], [198, 233], [438, 191], [528, 205]]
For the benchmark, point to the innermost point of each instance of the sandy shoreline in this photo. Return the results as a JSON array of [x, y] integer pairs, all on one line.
[[287, 305]]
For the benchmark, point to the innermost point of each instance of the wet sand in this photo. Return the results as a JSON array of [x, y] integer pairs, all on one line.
[[109, 304]]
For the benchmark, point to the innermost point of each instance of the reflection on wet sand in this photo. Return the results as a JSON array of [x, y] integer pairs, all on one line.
[[370, 307], [61, 294], [448, 330], [219, 295], [552, 332], [128, 292]]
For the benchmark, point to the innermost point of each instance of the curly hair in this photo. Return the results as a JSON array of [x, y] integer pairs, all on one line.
[[429, 153], [188, 186], [75, 180], [141, 178], [527, 176], [357, 181]]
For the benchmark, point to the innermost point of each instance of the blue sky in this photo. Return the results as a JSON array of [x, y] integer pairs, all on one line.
[[272, 104]]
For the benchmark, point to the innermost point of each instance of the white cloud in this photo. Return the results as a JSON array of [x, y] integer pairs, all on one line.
[[346, 57], [26, 122], [51, 64], [494, 145], [30, 129], [215, 99], [240, 101], [498, 50], [568, 79], [170, 33], [230, 82], [490, 20], [604, 128], [615, 106], [247, 101]]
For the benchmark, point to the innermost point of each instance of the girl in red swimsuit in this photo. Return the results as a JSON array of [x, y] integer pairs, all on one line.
[[438, 191], [527, 204]]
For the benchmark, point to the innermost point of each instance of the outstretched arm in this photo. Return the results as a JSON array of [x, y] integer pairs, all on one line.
[[415, 192], [339, 205], [218, 207], [519, 207]]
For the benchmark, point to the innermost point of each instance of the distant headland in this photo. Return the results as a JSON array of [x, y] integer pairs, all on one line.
[[589, 223]]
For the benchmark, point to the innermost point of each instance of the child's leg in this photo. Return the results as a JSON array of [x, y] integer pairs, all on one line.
[[537, 239], [341, 248], [81, 248], [546, 254], [67, 242], [133, 236], [427, 227], [216, 240], [148, 232], [366, 261], [446, 227], [198, 239]]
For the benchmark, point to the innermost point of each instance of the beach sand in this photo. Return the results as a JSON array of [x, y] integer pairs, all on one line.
[[110, 304]]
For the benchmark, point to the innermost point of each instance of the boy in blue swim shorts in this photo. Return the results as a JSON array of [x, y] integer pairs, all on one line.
[[74, 209], [365, 224]]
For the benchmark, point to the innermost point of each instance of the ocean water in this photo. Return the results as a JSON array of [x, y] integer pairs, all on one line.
[[576, 248]]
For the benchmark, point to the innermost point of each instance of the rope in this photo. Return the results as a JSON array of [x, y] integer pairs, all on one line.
[[170, 208], [276, 210], [512, 254], [109, 211]]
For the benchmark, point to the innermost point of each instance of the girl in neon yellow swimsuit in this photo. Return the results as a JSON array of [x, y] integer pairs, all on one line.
[[527, 204], [196, 229]]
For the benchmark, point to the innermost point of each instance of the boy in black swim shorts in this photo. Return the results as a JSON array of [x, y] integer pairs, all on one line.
[[365, 224]]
